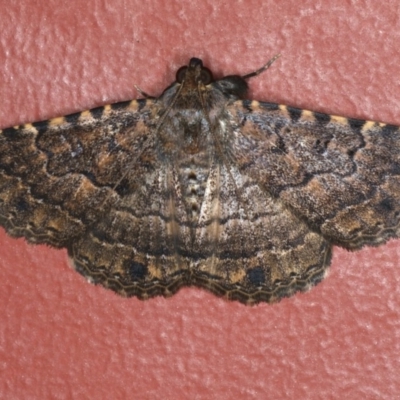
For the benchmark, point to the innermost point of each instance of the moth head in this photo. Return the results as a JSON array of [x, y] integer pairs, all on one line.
[[233, 87], [196, 74]]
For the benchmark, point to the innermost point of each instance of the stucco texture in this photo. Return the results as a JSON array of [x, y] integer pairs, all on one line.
[[62, 338]]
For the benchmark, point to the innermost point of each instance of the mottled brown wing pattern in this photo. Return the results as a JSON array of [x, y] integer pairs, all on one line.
[[261, 251], [59, 176], [340, 175], [199, 187]]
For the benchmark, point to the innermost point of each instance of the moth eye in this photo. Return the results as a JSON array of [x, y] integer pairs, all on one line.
[[180, 74], [206, 76]]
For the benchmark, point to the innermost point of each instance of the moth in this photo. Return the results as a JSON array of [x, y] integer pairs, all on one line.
[[201, 187]]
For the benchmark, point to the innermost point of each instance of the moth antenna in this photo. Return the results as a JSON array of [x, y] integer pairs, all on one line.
[[144, 94], [263, 68]]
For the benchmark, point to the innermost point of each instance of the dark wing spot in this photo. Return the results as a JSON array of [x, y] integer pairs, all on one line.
[[120, 105], [73, 118], [137, 271], [9, 133], [351, 153], [97, 112], [123, 188], [41, 126], [356, 124], [389, 129], [322, 119], [91, 177], [386, 206], [22, 205], [295, 113], [256, 276]]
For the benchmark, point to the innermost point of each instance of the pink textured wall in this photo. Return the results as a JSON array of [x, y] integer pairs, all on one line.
[[61, 338]]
